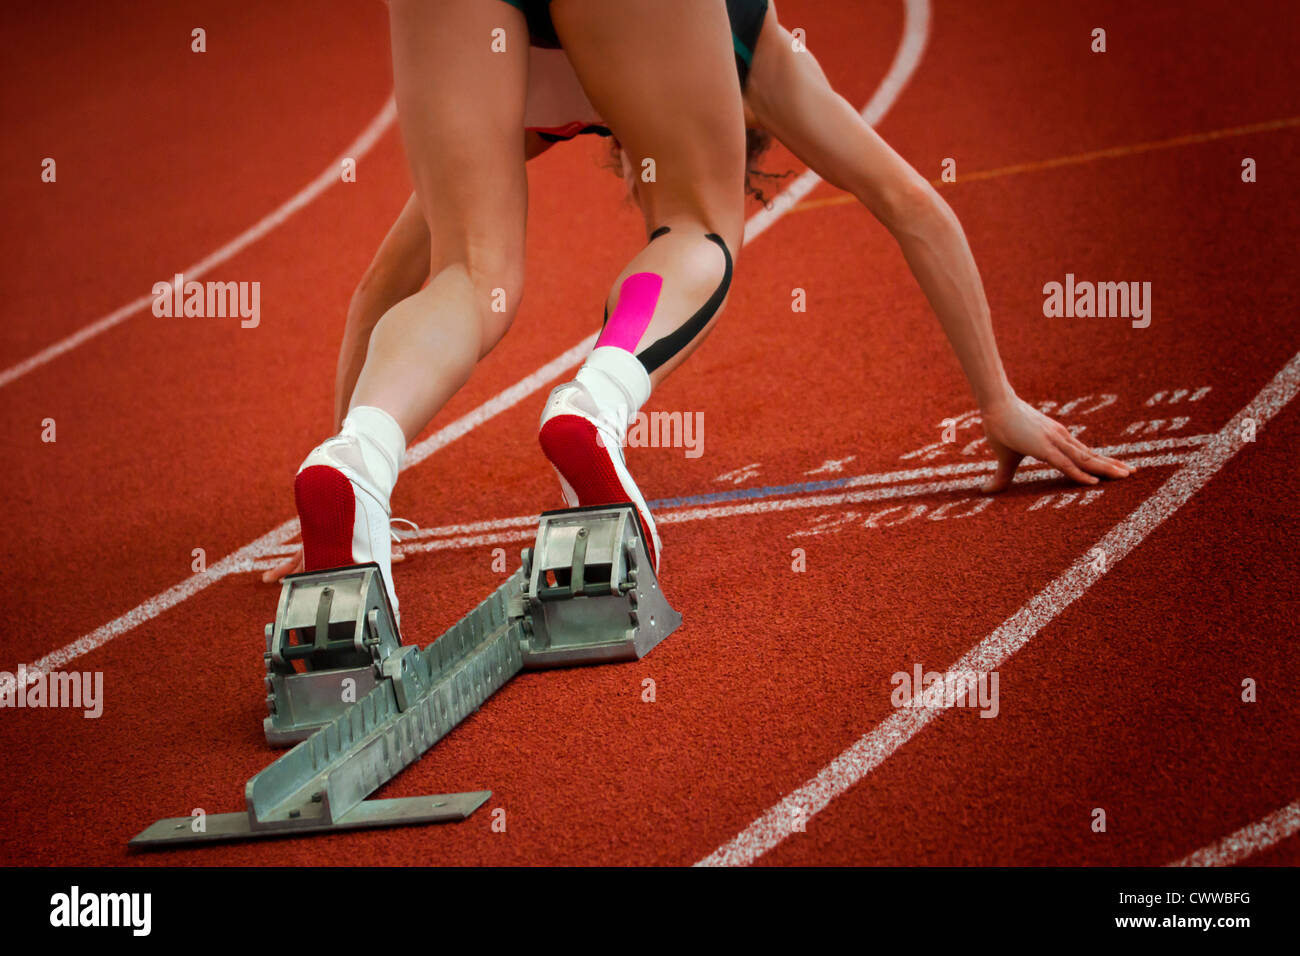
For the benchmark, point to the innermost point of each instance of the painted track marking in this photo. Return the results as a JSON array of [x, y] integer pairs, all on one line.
[[356, 149], [884, 740], [1249, 840], [1078, 159], [524, 527], [768, 506]]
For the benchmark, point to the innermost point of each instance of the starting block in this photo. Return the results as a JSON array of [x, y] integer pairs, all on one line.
[[362, 706], [592, 595], [331, 627]]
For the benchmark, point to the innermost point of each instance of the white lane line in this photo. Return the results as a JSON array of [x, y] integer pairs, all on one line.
[[240, 560], [966, 467], [888, 492], [899, 73], [497, 531], [1028, 472], [358, 148], [1249, 840], [876, 746]]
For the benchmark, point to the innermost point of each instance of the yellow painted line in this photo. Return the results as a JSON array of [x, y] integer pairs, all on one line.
[[1080, 158]]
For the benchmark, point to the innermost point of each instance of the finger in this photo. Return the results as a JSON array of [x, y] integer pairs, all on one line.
[[1110, 467], [1080, 447], [290, 565], [1008, 462], [1067, 437], [1098, 464], [1059, 458], [1069, 440]]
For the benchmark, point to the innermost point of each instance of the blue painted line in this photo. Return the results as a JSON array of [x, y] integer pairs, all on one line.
[[741, 494]]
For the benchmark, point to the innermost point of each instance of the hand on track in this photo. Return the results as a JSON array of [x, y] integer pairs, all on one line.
[[1016, 429]]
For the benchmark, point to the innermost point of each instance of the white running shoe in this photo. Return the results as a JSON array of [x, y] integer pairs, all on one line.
[[585, 445], [343, 512]]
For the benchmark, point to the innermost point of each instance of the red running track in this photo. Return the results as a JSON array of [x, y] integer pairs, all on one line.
[[179, 434]]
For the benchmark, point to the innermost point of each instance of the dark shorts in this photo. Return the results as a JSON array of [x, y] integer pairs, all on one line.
[[541, 32], [746, 24]]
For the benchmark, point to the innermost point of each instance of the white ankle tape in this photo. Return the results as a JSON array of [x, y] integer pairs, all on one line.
[[383, 444], [617, 382]]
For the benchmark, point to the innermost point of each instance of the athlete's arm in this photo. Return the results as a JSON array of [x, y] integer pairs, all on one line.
[[789, 95]]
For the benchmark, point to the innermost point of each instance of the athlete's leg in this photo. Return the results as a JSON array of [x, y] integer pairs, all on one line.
[[460, 105], [398, 270], [400, 266], [662, 74]]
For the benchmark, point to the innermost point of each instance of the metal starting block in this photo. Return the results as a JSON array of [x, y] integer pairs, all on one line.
[[331, 627], [586, 593], [592, 596]]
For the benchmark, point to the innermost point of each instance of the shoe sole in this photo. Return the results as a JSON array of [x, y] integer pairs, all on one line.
[[572, 445], [327, 510]]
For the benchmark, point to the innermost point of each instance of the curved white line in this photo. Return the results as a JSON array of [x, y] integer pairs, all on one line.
[[328, 177]]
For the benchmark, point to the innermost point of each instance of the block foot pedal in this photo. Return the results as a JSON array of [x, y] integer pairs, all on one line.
[[332, 634], [405, 811], [593, 596]]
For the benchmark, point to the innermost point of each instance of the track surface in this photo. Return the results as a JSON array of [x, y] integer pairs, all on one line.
[[176, 434]]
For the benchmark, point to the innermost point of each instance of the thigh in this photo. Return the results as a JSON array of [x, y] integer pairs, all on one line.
[[662, 74], [460, 105]]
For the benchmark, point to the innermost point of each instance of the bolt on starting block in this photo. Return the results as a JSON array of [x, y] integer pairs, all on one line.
[[362, 706]]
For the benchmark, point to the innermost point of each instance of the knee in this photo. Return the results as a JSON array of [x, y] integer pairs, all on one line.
[[499, 287]]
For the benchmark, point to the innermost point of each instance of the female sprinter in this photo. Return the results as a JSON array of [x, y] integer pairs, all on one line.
[[661, 75], [785, 94]]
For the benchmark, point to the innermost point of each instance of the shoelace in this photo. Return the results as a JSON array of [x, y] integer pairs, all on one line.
[[397, 539]]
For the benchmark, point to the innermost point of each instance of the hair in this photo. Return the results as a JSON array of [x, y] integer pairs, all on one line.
[[757, 142], [757, 179]]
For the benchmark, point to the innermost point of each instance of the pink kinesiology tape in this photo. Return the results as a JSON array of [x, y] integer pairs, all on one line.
[[637, 299]]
